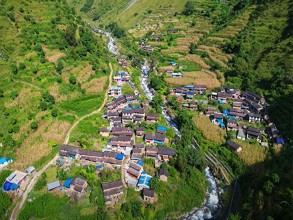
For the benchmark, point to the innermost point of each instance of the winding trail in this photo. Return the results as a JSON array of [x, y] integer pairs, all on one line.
[[27, 83], [36, 175]]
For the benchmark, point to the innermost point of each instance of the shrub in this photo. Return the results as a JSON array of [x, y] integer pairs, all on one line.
[[34, 125], [72, 80], [21, 66], [54, 113]]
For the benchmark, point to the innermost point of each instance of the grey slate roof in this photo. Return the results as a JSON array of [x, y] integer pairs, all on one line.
[[53, 185]]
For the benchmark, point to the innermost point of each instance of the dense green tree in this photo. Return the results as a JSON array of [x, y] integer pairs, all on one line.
[[188, 8], [70, 35], [192, 48], [21, 66]]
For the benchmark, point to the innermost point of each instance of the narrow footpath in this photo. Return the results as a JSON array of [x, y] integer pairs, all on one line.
[[35, 177]]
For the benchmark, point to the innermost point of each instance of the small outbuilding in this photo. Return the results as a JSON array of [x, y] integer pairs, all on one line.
[[53, 185], [163, 174], [149, 195]]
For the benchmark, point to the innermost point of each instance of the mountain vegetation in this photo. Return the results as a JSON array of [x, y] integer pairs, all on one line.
[[49, 60]]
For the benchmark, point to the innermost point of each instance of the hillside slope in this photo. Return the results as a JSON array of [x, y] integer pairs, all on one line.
[[53, 70], [263, 60]]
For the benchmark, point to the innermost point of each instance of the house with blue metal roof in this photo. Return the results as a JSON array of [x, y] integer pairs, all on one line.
[[5, 161], [144, 181]]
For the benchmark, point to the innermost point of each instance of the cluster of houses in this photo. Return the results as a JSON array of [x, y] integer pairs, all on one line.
[[87, 157], [143, 46], [17, 181], [187, 92], [246, 106], [71, 186], [121, 77]]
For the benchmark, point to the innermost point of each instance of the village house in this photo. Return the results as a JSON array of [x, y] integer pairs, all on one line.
[[104, 132], [165, 153], [91, 156], [147, 48], [163, 174], [156, 138], [122, 62], [233, 146], [254, 118], [189, 95], [193, 105], [218, 119], [113, 192], [223, 97], [69, 151], [115, 122], [210, 111], [151, 118], [139, 132], [131, 98], [144, 181], [79, 185], [119, 143], [137, 119], [149, 195], [110, 159], [253, 106], [121, 77], [115, 91], [15, 182], [151, 152], [201, 89], [238, 113], [254, 97], [145, 104], [53, 185], [122, 131], [30, 170], [237, 103], [232, 125], [272, 131], [254, 133], [5, 161], [118, 102], [112, 114], [241, 134], [177, 75], [138, 113], [135, 170], [136, 154], [161, 129]]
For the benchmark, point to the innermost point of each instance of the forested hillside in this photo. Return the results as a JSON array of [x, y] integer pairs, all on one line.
[[53, 70]]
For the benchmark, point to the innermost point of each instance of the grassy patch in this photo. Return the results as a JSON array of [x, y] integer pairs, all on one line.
[[210, 132], [84, 105]]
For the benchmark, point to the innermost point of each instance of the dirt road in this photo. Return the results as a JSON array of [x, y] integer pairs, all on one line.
[[36, 175]]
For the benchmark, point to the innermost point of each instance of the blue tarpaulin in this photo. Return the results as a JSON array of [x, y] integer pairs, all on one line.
[[161, 128], [226, 112], [99, 166], [7, 186], [68, 182], [119, 156], [140, 163], [280, 141]]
